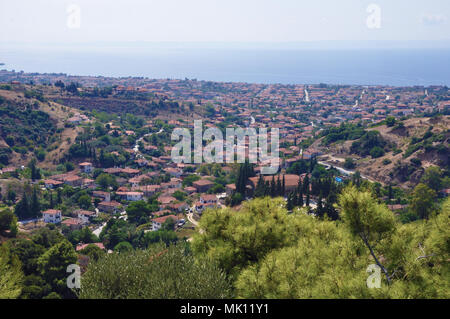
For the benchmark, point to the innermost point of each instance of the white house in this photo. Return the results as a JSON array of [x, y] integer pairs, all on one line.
[[86, 167], [52, 216], [85, 215], [130, 196], [157, 222], [208, 199]]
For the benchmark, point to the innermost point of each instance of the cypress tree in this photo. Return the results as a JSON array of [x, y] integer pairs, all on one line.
[[35, 208], [259, 191], [273, 189], [279, 187]]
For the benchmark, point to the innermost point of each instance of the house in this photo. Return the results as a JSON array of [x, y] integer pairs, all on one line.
[[158, 222], [173, 172], [202, 185], [165, 200], [230, 189], [83, 246], [86, 215], [200, 206], [52, 216], [86, 167], [190, 190], [130, 196], [73, 223], [103, 195], [148, 190], [109, 207], [51, 183], [208, 199], [73, 180]]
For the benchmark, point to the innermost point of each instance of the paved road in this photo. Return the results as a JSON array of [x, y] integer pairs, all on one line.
[[136, 146], [345, 171]]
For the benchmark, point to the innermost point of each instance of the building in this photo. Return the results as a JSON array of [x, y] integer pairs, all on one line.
[[51, 183], [202, 185], [73, 180], [158, 222], [73, 223], [208, 199], [52, 216], [109, 207], [103, 195], [130, 196], [86, 167], [86, 215]]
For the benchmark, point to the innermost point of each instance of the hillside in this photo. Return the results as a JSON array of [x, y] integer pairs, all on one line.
[[409, 147], [32, 126]]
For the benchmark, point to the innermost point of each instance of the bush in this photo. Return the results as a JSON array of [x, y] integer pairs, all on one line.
[[349, 163], [376, 152], [155, 273]]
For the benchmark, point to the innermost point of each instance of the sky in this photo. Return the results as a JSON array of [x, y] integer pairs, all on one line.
[[244, 21]]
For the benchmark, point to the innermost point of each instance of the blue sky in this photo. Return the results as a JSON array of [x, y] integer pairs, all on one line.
[[45, 21]]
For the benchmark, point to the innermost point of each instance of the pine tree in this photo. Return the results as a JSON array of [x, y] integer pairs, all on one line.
[[283, 186]]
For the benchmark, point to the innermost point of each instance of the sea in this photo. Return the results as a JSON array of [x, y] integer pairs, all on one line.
[[394, 67]]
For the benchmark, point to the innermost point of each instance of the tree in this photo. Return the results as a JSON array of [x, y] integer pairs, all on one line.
[[123, 246], [423, 200], [158, 272], [138, 211], [390, 121], [349, 163], [323, 262], [11, 276], [22, 209], [35, 207], [105, 180], [84, 201], [53, 263], [237, 240], [366, 219], [93, 252], [8, 221], [260, 187], [432, 178], [35, 172]]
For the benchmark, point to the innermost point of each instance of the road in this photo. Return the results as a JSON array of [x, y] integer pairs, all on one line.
[[190, 217], [345, 171], [97, 231], [136, 146]]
